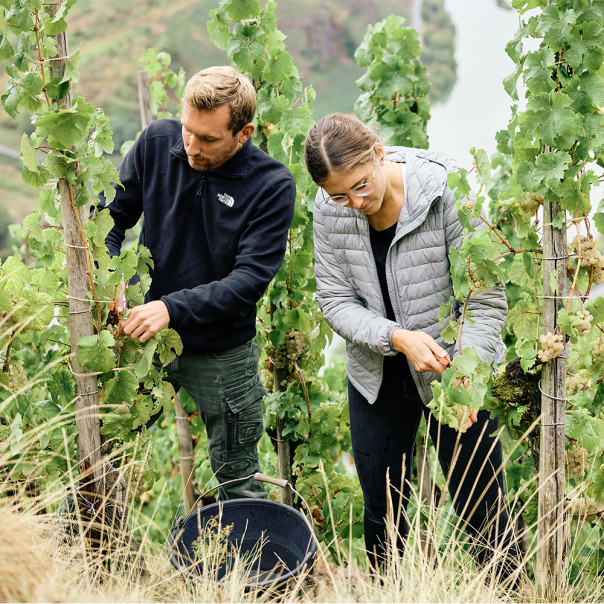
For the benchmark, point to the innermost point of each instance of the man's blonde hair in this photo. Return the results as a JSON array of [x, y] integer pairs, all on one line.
[[215, 87]]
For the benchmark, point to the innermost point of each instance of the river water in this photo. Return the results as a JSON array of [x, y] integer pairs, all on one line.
[[478, 105]]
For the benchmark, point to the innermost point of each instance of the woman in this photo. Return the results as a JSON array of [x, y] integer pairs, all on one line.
[[384, 221]]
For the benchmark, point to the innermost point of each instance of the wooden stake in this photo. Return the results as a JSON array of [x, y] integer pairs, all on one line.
[[190, 491], [552, 519], [283, 442], [80, 316], [144, 97]]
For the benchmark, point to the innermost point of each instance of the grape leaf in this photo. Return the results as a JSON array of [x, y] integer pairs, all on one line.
[[121, 388], [95, 352]]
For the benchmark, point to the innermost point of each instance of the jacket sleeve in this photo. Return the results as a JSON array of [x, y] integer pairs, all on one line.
[[127, 207], [260, 254], [342, 308], [489, 308]]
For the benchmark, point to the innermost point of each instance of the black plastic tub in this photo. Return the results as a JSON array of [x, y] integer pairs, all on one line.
[[268, 542]]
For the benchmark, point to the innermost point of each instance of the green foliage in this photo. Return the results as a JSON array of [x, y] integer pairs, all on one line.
[[68, 144], [548, 153], [395, 84]]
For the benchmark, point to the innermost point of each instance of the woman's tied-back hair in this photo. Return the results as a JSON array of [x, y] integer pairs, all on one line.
[[215, 87], [337, 143]]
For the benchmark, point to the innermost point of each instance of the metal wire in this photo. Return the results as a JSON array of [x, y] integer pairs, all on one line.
[[79, 312], [89, 300], [554, 398]]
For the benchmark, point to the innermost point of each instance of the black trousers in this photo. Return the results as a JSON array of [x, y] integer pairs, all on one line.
[[383, 441]]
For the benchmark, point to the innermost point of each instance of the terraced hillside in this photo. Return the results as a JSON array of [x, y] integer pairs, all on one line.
[[112, 35]]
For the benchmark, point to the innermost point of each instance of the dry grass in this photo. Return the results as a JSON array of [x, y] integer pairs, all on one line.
[[39, 564]]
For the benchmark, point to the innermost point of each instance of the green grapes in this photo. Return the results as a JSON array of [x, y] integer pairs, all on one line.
[[576, 382], [576, 457], [552, 344], [477, 286], [583, 325], [530, 203], [583, 506], [294, 348], [597, 350]]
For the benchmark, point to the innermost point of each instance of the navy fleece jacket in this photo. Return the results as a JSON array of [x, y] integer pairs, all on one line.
[[217, 238]]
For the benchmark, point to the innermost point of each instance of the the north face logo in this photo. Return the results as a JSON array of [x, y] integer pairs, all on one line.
[[226, 199]]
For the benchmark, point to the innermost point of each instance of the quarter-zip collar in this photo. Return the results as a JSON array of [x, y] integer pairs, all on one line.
[[235, 167]]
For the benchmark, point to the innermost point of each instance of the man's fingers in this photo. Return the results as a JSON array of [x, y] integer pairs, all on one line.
[[473, 416]]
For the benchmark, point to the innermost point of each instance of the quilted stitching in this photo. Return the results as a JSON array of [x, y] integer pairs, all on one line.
[[348, 288]]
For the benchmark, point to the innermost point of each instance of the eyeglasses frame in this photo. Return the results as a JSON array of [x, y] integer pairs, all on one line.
[[330, 201]]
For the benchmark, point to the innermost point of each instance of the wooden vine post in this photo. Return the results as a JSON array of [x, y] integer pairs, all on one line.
[[283, 442], [551, 531], [80, 315], [190, 492], [144, 97]]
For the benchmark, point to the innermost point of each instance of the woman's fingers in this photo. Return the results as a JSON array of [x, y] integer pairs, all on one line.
[[472, 418], [444, 360], [421, 349]]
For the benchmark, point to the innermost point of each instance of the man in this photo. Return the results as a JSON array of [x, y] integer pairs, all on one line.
[[216, 216]]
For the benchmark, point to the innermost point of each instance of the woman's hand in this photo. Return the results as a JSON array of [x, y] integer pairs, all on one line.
[[421, 349]]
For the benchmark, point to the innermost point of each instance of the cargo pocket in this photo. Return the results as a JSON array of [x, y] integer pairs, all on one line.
[[244, 412]]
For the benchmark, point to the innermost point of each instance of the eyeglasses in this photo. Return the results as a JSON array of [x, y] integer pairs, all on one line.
[[361, 190]]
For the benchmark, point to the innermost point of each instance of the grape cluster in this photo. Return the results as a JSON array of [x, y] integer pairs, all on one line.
[[134, 473], [582, 506], [462, 413], [294, 348], [576, 457], [530, 203], [267, 379], [477, 286], [576, 382], [461, 382], [583, 325], [553, 345], [597, 350], [590, 257], [589, 254]]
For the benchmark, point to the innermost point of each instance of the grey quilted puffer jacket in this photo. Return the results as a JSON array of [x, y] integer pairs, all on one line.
[[417, 273]]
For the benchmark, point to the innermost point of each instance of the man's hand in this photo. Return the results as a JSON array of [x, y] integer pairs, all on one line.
[[421, 349], [146, 320]]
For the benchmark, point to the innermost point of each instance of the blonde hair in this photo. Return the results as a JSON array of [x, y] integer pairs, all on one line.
[[337, 143], [215, 87]]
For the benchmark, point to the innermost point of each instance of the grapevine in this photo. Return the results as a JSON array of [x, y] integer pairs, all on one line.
[[551, 155], [43, 323]]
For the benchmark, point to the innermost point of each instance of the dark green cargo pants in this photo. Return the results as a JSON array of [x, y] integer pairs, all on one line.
[[228, 392]]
